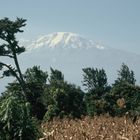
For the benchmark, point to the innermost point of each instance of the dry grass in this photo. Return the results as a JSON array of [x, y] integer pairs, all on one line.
[[97, 128]]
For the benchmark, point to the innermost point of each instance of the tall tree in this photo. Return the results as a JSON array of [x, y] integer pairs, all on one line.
[[96, 84], [95, 80], [9, 47], [35, 75], [56, 77], [125, 75], [124, 95], [36, 80]]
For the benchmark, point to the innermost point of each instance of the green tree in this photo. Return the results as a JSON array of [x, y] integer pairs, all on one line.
[[56, 77], [124, 95], [125, 75], [15, 120], [62, 98], [124, 98], [95, 80], [96, 84], [10, 48], [36, 80], [35, 75]]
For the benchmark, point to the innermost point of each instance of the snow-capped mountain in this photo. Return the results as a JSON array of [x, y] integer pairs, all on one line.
[[69, 53], [64, 40]]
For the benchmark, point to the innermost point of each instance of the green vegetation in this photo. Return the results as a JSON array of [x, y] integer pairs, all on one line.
[[62, 98], [37, 96], [36, 80], [124, 95], [15, 120], [97, 87], [10, 48], [125, 75]]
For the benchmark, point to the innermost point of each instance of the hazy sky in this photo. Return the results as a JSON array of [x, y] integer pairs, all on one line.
[[114, 23]]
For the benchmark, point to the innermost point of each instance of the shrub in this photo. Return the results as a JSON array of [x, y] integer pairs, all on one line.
[[124, 98], [64, 100], [15, 120]]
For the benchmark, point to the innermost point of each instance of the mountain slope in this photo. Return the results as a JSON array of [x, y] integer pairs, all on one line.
[[70, 53]]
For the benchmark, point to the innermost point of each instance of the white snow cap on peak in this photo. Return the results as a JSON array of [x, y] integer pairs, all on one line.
[[63, 40]]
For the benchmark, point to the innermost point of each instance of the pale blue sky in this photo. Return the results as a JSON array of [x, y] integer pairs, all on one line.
[[114, 23]]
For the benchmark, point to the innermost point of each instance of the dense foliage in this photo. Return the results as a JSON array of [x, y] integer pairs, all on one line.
[[96, 85], [124, 98], [36, 80], [62, 99], [125, 75], [15, 120]]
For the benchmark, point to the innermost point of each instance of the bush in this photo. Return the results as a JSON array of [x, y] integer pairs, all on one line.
[[52, 112], [15, 120], [124, 98], [64, 100], [95, 105]]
